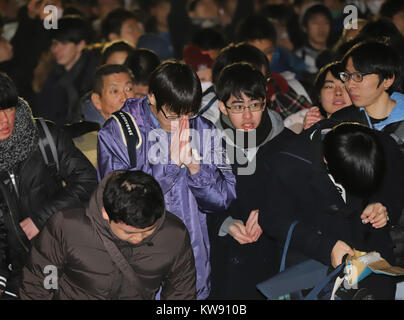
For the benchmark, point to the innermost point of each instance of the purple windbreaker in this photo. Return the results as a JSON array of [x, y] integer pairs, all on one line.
[[189, 197]]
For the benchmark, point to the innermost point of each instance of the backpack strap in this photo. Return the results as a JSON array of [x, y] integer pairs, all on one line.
[[130, 134], [47, 146]]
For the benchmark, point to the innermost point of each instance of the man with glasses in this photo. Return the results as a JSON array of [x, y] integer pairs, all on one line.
[[181, 150], [241, 256], [372, 78]]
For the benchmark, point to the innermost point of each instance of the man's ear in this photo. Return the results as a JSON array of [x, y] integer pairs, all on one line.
[[96, 100], [152, 98], [222, 108], [104, 214], [387, 83]]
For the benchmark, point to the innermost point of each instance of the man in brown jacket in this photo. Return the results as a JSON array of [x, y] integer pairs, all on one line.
[[124, 245]]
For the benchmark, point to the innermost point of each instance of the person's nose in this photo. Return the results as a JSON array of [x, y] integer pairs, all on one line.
[[339, 91], [247, 114]]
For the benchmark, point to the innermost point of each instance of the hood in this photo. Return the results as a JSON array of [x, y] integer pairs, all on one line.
[[94, 212], [397, 114]]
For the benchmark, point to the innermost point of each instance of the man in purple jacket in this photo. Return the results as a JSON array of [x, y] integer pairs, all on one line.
[[182, 151]]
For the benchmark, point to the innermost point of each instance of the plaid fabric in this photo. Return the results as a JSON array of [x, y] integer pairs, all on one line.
[[288, 103]]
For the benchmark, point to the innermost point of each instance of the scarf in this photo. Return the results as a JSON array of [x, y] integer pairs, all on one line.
[[22, 142]]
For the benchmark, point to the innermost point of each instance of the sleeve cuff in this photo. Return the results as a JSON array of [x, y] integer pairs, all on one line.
[[224, 228]]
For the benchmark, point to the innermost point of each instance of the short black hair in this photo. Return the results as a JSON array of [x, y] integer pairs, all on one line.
[[314, 10], [106, 70], [238, 78], [355, 158], [134, 198], [8, 92], [237, 53], [72, 28], [142, 63], [390, 8], [176, 86], [115, 46], [113, 22], [256, 27], [376, 57]]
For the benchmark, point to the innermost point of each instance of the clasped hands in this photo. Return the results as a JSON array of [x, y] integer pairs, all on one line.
[[248, 233], [180, 145]]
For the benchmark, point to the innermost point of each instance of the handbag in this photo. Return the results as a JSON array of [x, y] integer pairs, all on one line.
[[290, 283]]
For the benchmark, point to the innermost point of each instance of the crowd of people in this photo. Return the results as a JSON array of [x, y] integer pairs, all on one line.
[[161, 149]]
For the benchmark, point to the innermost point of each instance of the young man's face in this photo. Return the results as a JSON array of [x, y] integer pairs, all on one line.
[[318, 29], [333, 95], [7, 119], [131, 30], [367, 92], [67, 53], [128, 233], [247, 120], [116, 90], [265, 45]]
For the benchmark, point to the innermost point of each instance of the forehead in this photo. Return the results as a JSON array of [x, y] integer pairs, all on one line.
[[116, 78], [317, 17], [350, 65], [242, 97], [130, 229]]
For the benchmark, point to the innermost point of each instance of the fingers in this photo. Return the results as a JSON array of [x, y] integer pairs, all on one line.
[[376, 214], [312, 117], [239, 233], [252, 221]]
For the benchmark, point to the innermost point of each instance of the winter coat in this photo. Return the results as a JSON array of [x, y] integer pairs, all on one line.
[[190, 197], [297, 187], [237, 268], [389, 125], [32, 190], [92, 263]]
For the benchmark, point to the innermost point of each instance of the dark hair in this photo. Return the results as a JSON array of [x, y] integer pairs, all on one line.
[[175, 85], [72, 28], [376, 57], [115, 46], [106, 70], [142, 62], [208, 39], [238, 78], [316, 9], [256, 27], [355, 158], [335, 68], [8, 92], [390, 8], [237, 53], [133, 198], [113, 22]]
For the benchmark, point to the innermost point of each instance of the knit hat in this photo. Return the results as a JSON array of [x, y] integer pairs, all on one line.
[[23, 140], [196, 58]]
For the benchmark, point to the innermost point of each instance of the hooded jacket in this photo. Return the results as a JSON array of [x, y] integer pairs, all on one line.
[[90, 262], [189, 197]]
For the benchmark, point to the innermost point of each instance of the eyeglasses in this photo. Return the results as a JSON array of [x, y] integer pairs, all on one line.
[[356, 76], [240, 108], [176, 117]]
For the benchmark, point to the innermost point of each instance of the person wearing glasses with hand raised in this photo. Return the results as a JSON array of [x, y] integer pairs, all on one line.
[[196, 179]]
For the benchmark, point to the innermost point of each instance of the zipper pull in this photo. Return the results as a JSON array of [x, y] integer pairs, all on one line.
[[13, 180]]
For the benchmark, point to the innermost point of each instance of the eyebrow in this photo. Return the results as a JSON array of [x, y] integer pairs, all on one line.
[[242, 101]]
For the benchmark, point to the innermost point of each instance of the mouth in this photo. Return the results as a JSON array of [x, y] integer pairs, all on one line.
[[339, 103], [247, 126]]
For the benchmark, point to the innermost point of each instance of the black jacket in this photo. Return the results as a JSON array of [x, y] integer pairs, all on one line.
[[40, 194], [298, 188]]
